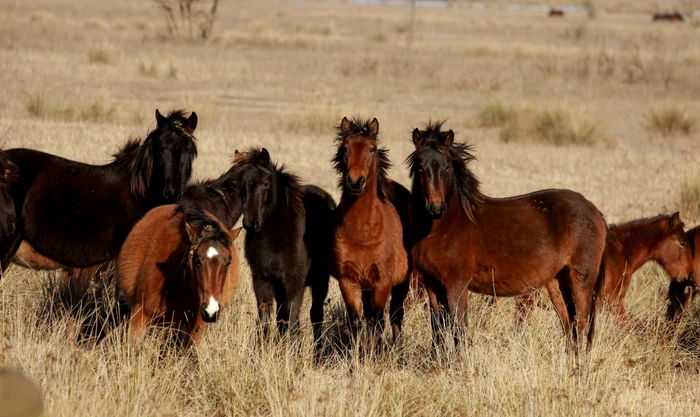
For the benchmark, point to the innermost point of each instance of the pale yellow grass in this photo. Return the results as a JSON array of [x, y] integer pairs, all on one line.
[[280, 75]]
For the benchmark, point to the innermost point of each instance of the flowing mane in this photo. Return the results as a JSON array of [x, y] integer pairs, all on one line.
[[360, 127], [290, 183], [641, 227], [461, 154], [136, 156]]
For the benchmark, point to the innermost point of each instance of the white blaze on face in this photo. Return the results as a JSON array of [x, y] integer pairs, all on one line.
[[211, 252], [212, 307]]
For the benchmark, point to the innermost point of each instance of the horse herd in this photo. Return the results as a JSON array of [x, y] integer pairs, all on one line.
[[173, 239]]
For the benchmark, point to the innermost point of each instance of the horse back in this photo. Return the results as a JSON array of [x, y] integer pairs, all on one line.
[[320, 208], [147, 248]]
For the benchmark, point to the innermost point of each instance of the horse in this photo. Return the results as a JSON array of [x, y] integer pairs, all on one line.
[[9, 174], [370, 255], [178, 266], [668, 16], [500, 246], [553, 12], [288, 236], [78, 215], [629, 246], [681, 293]]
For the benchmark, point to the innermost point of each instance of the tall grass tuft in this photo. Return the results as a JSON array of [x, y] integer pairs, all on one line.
[[670, 120]]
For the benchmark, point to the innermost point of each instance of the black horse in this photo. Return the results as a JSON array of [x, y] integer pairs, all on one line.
[[289, 235], [9, 173], [77, 214]]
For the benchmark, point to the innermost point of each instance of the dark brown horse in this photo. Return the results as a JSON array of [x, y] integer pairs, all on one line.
[[500, 246], [553, 12], [631, 245], [371, 261], [178, 266], [9, 174], [288, 238], [680, 294], [78, 215], [668, 16]]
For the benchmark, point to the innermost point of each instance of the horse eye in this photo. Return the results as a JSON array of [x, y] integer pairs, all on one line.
[[266, 184], [343, 149], [682, 244], [371, 150], [197, 262], [228, 263]]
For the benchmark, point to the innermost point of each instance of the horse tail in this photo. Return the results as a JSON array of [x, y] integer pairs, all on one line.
[[597, 290]]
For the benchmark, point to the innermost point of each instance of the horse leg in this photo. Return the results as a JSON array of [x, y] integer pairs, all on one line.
[[352, 296], [319, 291], [679, 296], [582, 281], [396, 307], [524, 305], [9, 246], [137, 324], [560, 306], [438, 319], [458, 304], [264, 295], [380, 297], [288, 311]]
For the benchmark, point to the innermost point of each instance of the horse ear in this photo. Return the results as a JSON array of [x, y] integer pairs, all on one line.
[[345, 125], [233, 234], [237, 156], [161, 120], [675, 220], [191, 231], [417, 137], [374, 127], [449, 138], [265, 156], [193, 120]]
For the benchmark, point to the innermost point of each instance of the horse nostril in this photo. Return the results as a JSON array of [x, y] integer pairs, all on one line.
[[361, 181], [12, 224], [256, 225], [178, 194]]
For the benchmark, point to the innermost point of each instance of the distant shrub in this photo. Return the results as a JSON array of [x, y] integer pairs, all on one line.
[[99, 56]]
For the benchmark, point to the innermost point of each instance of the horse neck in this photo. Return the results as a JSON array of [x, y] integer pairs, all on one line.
[[368, 202], [454, 213], [638, 245]]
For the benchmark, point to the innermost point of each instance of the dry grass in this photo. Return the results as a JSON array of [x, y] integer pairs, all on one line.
[[99, 56], [271, 78], [557, 126], [670, 120]]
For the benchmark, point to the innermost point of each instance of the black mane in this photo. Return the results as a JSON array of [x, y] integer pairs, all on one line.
[[290, 183], [136, 157], [461, 154], [360, 127]]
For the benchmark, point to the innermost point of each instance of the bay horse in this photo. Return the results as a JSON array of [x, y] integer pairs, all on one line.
[[371, 259], [628, 247], [288, 238], [500, 246], [9, 174], [680, 294], [77, 214], [178, 266]]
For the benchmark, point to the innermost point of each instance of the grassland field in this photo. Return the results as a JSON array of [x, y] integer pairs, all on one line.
[[606, 107]]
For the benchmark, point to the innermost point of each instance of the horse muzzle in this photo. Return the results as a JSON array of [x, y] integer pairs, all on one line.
[[435, 210], [355, 187], [251, 225], [209, 313], [172, 194]]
